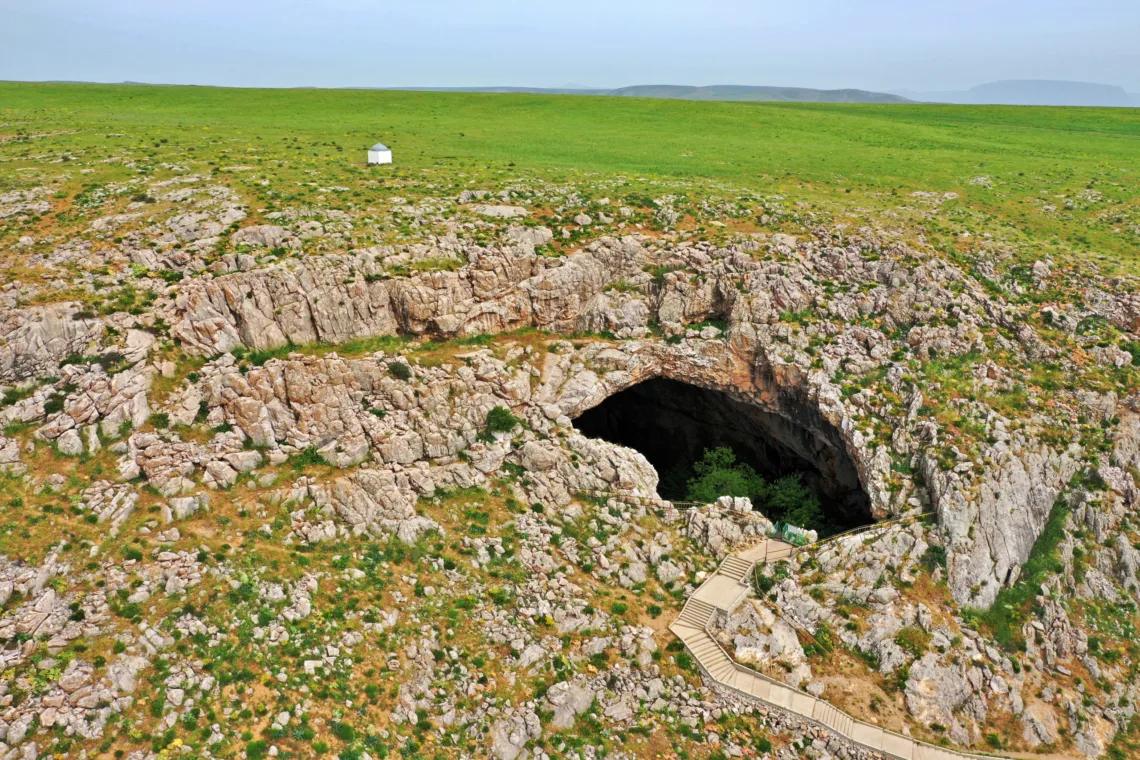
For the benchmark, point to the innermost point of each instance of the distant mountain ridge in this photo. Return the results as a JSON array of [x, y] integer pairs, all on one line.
[[711, 92], [1034, 92], [748, 92], [1011, 92]]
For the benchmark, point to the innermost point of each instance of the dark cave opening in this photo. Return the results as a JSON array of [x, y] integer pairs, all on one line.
[[672, 424]]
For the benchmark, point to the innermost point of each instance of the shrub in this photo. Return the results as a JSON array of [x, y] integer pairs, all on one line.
[[500, 420], [791, 501], [825, 637], [256, 750], [718, 474], [400, 371], [12, 395], [54, 403], [913, 640], [343, 731], [309, 457], [934, 557]]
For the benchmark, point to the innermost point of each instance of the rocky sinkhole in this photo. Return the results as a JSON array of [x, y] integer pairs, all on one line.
[[674, 423]]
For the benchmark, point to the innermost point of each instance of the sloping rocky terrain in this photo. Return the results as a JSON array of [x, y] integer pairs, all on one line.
[[304, 478]]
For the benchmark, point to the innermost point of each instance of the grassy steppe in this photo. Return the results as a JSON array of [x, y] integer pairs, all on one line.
[[1064, 178]]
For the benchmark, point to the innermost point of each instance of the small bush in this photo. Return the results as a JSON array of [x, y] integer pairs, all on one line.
[[12, 395], [309, 457], [256, 750], [764, 584], [54, 403], [934, 557], [500, 420], [343, 731], [913, 640], [400, 371]]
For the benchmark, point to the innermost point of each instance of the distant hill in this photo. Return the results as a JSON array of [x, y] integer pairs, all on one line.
[[524, 90], [1034, 92], [746, 92], [713, 92]]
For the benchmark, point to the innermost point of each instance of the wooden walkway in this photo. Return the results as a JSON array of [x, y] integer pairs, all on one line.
[[720, 593]]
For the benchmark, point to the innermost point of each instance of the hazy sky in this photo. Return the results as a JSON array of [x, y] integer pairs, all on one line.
[[872, 44]]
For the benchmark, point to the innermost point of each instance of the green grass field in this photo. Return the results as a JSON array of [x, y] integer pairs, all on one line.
[[1058, 180]]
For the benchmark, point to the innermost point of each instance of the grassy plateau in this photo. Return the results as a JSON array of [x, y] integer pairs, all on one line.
[[1064, 180]]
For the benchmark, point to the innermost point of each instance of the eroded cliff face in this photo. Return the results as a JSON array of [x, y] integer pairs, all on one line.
[[778, 325], [338, 298]]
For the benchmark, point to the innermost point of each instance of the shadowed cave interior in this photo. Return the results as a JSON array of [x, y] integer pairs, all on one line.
[[672, 424]]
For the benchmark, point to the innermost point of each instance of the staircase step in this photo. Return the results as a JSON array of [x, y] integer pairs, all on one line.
[[722, 670], [710, 659], [704, 645], [701, 645], [705, 651], [735, 567], [698, 608], [696, 612]]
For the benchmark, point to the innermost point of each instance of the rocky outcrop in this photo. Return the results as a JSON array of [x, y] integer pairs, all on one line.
[[340, 298], [787, 375], [993, 519], [35, 340]]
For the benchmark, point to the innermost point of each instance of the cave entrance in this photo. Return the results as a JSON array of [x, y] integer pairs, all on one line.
[[673, 423]]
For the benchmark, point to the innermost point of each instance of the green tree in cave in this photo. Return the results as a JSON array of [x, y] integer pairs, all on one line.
[[718, 474]]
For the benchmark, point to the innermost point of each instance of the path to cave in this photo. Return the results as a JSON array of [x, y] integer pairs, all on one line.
[[720, 594], [672, 424]]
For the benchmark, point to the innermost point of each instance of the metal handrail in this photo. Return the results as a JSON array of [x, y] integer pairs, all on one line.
[[684, 506], [860, 530], [678, 505], [789, 619]]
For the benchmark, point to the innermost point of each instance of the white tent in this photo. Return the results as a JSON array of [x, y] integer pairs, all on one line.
[[379, 154]]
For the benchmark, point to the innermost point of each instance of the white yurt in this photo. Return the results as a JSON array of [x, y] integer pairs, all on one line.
[[379, 154]]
